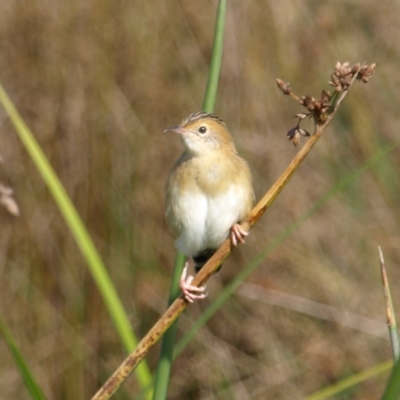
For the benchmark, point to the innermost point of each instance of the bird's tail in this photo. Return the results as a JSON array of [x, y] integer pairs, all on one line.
[[201, 258]]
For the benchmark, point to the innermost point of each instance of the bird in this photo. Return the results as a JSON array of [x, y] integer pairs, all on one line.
[[208, 193]]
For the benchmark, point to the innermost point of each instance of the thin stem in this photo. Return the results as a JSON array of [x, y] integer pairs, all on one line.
[[391, 318], [216, 59], [163, 373]]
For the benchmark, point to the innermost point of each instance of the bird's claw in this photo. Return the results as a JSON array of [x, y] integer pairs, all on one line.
[[190, 292], [238, 234]]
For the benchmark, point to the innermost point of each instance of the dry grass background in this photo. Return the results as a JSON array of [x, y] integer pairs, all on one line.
[[98, 82]]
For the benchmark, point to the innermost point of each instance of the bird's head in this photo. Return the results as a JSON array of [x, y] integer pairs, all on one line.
[[203, 133]]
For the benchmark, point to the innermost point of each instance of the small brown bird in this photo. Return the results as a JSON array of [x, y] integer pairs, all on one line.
[[209, 192]]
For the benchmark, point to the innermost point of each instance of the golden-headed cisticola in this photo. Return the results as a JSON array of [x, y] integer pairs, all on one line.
[[209, 192]]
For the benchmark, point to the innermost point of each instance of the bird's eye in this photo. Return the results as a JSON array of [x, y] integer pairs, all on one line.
[[203, 129]]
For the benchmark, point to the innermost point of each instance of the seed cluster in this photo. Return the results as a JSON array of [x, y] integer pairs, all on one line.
[[320, 109], [344, 73]]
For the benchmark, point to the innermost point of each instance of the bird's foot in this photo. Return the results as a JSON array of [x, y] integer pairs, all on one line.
[[238, 234], [190, 292]]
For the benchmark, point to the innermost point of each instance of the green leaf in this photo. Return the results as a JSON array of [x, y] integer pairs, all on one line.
[[392, 391], [30, 382]]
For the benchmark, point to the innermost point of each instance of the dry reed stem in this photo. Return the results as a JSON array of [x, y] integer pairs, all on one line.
[[177, 307], [386, 290], [390, 314]]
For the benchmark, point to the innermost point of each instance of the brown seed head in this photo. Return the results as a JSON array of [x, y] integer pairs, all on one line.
[[296, 133], [284, 86], [308, 102], [366, 72]]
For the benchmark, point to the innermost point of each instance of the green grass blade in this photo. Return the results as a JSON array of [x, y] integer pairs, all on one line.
[[162, 377], [392, 391], [27, 376], [80, 234], [167, 345], [232, 286], [216, 59], [332, 390]]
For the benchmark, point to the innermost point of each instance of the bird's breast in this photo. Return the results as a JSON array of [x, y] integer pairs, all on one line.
[[206, 196], [215, 175], [224, 209]]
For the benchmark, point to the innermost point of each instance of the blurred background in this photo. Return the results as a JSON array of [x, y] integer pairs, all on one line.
[[98, 82]]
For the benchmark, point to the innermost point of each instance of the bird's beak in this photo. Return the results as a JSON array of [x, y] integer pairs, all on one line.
[[176, 129]]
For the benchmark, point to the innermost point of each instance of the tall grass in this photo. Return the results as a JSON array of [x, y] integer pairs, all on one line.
[[80, 233]]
